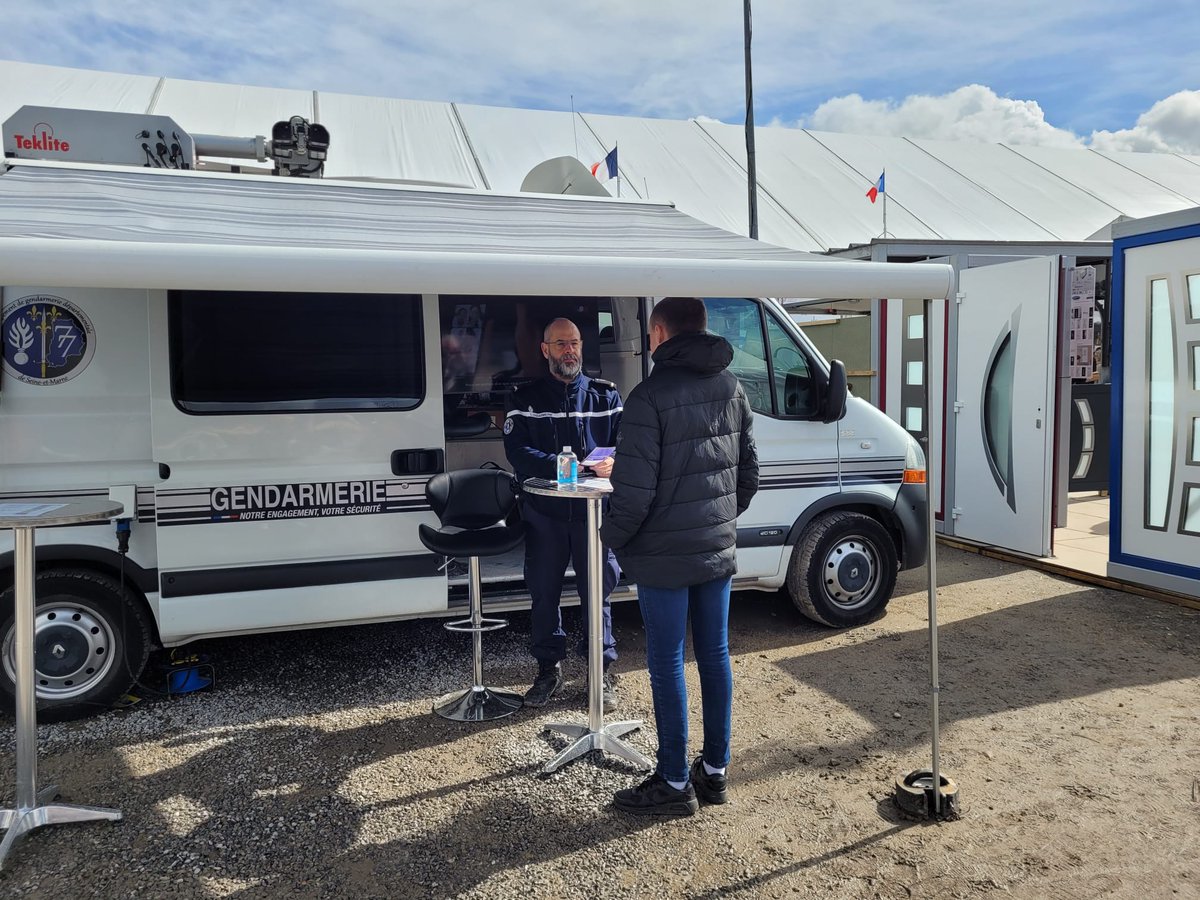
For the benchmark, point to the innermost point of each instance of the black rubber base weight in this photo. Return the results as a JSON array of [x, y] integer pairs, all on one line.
[[478, 704], [914, 795]]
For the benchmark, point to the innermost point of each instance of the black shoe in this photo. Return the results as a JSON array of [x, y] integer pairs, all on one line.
[[608, 692], [654, 797], [548, 681], [709, 788]]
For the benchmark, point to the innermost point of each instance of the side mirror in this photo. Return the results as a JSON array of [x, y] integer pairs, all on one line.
[[835, 392]]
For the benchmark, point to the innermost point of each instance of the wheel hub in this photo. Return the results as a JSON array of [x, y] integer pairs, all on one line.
[[72, 650], [60, 650], [849, 571]]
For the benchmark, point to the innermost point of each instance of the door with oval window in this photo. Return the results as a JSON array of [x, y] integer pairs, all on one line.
[[1005, 404]]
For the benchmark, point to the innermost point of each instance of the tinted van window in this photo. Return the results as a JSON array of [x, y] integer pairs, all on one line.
[[254, 352]]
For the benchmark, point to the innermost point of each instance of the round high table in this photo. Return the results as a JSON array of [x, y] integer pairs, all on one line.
[[31, 810], [595, 735]]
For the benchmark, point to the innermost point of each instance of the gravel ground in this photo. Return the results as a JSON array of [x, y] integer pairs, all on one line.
[[315, 769]]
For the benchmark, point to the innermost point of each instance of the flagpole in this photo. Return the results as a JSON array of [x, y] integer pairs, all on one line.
[[883, 178], [618, 168], [751, 177]]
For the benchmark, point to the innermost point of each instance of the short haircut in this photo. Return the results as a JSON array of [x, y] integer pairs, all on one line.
[[680, 315]]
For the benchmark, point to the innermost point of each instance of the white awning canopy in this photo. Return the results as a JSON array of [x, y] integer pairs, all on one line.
[[101, 226]]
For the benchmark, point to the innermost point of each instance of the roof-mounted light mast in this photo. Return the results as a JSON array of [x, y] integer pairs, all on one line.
[[298, 147]]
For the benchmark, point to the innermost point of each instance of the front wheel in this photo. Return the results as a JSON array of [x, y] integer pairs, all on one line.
[[843, 569], [91, 642]]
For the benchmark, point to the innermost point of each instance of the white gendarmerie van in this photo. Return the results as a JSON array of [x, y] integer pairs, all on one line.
[[267, 371]]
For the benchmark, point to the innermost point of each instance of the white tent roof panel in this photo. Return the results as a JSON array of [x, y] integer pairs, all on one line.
[[1061, 208], [826, 194], [405, 139], [675, 161], [1175, 173], [934, 195], [510, 142], [29, 84], [1119, 187]]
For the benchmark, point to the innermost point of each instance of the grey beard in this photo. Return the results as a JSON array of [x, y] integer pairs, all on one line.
[[565, 370]]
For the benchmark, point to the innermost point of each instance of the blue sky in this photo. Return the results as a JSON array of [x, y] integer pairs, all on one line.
[[1109, 73]]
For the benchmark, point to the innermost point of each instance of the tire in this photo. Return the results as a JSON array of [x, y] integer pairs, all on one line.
[[91, 643], [843, 569]]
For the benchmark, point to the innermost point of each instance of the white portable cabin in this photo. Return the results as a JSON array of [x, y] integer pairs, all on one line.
[[266, 516]]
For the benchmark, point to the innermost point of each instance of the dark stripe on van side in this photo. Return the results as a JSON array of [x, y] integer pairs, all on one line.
[[297, 575], [775, 484]]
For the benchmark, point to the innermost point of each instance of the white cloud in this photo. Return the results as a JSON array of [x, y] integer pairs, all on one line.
[[971, 113], [977, 113], [1170, 125]]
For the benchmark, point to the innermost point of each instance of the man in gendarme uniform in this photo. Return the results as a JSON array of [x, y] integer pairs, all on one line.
[[566, 409]]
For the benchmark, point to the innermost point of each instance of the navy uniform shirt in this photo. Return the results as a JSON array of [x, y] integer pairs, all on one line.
[[549, 415]]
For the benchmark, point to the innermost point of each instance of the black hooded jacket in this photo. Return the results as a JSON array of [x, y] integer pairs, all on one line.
[[685, 467]]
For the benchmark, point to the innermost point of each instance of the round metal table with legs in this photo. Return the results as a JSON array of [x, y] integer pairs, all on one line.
[[595, 735], [31, 809]]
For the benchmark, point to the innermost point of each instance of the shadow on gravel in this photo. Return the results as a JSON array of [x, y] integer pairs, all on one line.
[[500, 833], [753, 885], [1013, 658], [262, 793]]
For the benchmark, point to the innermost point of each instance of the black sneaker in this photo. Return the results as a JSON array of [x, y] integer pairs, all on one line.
[[654, 797], [548, 681], [608, 692], [709, 788]]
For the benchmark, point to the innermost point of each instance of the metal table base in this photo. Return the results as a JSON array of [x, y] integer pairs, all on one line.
[[605, 738], [595, 735], [32, 809]]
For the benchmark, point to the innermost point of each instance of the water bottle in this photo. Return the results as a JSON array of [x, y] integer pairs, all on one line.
[[568, 468]]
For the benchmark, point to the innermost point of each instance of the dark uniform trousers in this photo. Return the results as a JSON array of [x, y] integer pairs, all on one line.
[[549, 545]]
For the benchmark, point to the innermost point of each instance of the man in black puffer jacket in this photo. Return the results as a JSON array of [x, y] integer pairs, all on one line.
[[685, 469]]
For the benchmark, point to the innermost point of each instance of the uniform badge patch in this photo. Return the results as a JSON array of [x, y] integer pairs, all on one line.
[[508, 425]]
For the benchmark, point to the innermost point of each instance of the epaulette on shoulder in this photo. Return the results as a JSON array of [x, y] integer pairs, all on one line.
[[605, 384]]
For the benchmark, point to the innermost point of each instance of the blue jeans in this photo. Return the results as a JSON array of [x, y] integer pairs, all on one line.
[[665, 612]]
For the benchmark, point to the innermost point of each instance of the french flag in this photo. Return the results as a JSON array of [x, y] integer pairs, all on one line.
[[607, 167], [876, 189]]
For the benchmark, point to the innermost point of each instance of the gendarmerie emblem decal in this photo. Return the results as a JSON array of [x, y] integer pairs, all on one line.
[[47, 339]]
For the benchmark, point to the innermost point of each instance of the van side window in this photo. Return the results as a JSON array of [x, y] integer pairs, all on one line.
[[740, 322], [605, 321], [775, 373], [795, 389], [258, 352]]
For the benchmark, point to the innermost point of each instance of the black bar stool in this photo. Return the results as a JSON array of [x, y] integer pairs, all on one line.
[[476, 503]]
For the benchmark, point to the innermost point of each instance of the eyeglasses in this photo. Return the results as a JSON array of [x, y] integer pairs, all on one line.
[[564, 345]]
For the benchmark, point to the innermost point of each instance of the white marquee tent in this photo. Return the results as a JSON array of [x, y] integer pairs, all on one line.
[[812, 184]]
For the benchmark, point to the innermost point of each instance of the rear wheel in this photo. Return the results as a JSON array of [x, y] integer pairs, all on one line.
[[843, 569], [91, 642]]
